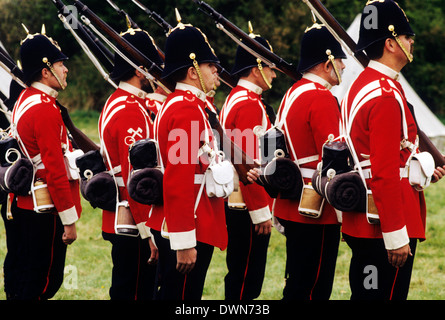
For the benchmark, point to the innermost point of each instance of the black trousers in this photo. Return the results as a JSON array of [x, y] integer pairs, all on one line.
[[34, 266], [311, 256], [246, 257], [10, 262], [173, 285], [132, 277], [371, 277]]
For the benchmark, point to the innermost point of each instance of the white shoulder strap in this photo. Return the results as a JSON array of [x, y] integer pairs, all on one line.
[[366, 94], [281, 122]]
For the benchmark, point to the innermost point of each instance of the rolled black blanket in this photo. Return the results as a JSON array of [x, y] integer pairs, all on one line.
[[17, 178], [145, 186], [282, 176], [100, 191], [344, 191]]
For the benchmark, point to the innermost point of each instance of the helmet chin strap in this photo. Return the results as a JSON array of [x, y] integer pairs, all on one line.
[[260, 67], [45, 60], [409, 56], [334, 65], [198, 71]]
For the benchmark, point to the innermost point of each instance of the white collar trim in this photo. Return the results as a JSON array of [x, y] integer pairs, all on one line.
[[250, 86], [380, 67], [197, 92], [156, 96], [317, 79], [44, 88], [132, 89]]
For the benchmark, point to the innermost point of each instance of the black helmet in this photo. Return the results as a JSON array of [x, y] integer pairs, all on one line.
[[143, 42], [245, 60], [38, 51], [380, 20], [185, 44], [317, 45]]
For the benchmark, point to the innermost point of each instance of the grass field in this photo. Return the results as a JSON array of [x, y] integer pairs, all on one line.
[[88, 264]]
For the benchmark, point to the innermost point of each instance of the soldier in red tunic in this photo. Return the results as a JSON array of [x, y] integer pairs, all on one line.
[[249, 227], [308, 114], [382, 133], [191, 222], [44, 230], [124, 120]]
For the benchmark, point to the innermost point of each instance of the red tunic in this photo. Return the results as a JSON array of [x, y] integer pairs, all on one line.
[[41, 130], [123, 121], [377, 132], [312, 117], [180, 130], [240, 114]]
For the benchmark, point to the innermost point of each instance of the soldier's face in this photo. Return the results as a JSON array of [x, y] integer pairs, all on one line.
[[269, 74], [61, 71], [209, 74], [408, 43]]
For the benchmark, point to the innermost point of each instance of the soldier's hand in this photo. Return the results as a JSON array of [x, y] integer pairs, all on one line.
[[69, 234], [397, 257], [438, 174], [253, 175], [154, 256], [186, 260], [264, 227]]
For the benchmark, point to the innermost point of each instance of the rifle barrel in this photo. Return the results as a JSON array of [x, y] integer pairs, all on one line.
[[279, 62], [98, 51], [141, 59]]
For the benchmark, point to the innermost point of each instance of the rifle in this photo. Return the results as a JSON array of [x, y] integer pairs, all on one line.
[[249, 43], [156, 17], [343, 37], [132, 24], [152, 68], [103, 54], [123, 14]]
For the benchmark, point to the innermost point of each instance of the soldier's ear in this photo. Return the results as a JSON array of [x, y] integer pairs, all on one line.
[[45, 73], [390, 44], [327, 66], [192, 73]]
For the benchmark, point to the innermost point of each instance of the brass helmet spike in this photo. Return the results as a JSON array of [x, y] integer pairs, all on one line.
[[178, 16], [179, 19], [26, 29], [127, 19], [43, 29], [251, 34], [314, 18]]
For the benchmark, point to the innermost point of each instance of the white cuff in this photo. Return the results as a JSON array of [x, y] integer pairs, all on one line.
[[395, 239], [144, 231], [68, 216], [182, 240], [260, 215]]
